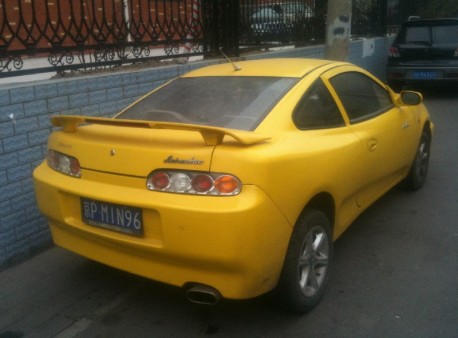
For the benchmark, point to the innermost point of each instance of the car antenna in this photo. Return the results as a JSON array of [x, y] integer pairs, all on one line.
[[236, 67]]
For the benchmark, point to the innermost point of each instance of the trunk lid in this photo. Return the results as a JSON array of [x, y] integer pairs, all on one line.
[[135, 148]]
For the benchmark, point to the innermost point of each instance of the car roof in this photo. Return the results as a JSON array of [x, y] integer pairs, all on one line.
[[431, 22], [281, 67]]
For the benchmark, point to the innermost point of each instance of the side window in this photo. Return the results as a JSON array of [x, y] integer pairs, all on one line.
[[361, 96], [317, 109]]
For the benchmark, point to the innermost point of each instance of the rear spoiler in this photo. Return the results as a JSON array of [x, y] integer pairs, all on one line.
[[211, 135]]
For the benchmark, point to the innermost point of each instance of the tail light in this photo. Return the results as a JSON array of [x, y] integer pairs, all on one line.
[[193, 182], [226, 184], [63, 163], [394, 52]]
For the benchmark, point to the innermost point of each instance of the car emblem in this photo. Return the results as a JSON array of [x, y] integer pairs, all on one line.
[[177, 160], [112, 152]]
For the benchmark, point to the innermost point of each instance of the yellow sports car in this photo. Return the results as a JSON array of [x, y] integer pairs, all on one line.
[[235, 179]]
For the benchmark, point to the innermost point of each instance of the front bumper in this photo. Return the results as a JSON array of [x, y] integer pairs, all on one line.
[[235, 244]]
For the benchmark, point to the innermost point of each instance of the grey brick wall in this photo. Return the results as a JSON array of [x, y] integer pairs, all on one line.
[[25, 111]]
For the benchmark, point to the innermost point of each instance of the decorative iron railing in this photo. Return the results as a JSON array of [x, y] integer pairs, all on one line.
[[88, 34], [369, 18], [95, 33]]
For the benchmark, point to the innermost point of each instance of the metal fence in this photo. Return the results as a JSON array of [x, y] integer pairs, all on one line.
[[86, 34], [369, 17], [243, 24], [295, 21], [93, 33]]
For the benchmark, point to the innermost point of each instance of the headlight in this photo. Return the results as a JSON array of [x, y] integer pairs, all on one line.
[[64, 164], [193, 182]]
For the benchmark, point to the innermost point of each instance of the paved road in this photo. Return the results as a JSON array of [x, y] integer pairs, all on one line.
[[395, 275]]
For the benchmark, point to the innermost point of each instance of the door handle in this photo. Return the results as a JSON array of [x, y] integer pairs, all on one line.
[[372, 144], [405, 125]]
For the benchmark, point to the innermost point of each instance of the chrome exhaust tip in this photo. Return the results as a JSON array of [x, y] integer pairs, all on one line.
[[203, 294]]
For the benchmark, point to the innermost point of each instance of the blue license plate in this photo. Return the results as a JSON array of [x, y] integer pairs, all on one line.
[[425, 74], [112, 216]]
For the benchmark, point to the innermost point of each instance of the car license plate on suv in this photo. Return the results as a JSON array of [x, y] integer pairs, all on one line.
[[112, 216], [425, 74]]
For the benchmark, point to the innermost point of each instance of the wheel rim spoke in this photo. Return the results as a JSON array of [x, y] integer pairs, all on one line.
[[318, 242], [314, 282], [304, 278], [313, 261], [422, 160]]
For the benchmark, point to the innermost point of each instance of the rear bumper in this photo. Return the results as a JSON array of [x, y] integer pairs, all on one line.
[[235, 244], [422, 73]]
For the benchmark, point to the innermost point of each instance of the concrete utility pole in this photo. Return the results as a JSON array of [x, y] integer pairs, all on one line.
[[338, 29]]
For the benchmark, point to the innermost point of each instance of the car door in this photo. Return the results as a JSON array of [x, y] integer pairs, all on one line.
[[382, 128]]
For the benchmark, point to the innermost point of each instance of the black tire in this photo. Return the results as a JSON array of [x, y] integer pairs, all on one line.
[[419, 169], [306, 269]]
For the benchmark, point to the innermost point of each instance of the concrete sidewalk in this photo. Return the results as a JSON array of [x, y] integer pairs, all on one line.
[[60, 294], [56, 293]]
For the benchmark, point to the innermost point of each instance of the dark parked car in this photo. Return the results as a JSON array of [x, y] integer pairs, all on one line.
[[277, 21], [269, 21], [424, 51]]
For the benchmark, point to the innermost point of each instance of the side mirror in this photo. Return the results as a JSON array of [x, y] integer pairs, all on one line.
[[410, 98]]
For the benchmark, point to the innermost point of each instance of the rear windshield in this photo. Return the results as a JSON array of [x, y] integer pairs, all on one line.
[[440, 34], [445, 34], [237, 102]]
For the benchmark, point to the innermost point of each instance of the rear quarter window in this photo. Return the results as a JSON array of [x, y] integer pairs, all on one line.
[[317, 109]]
